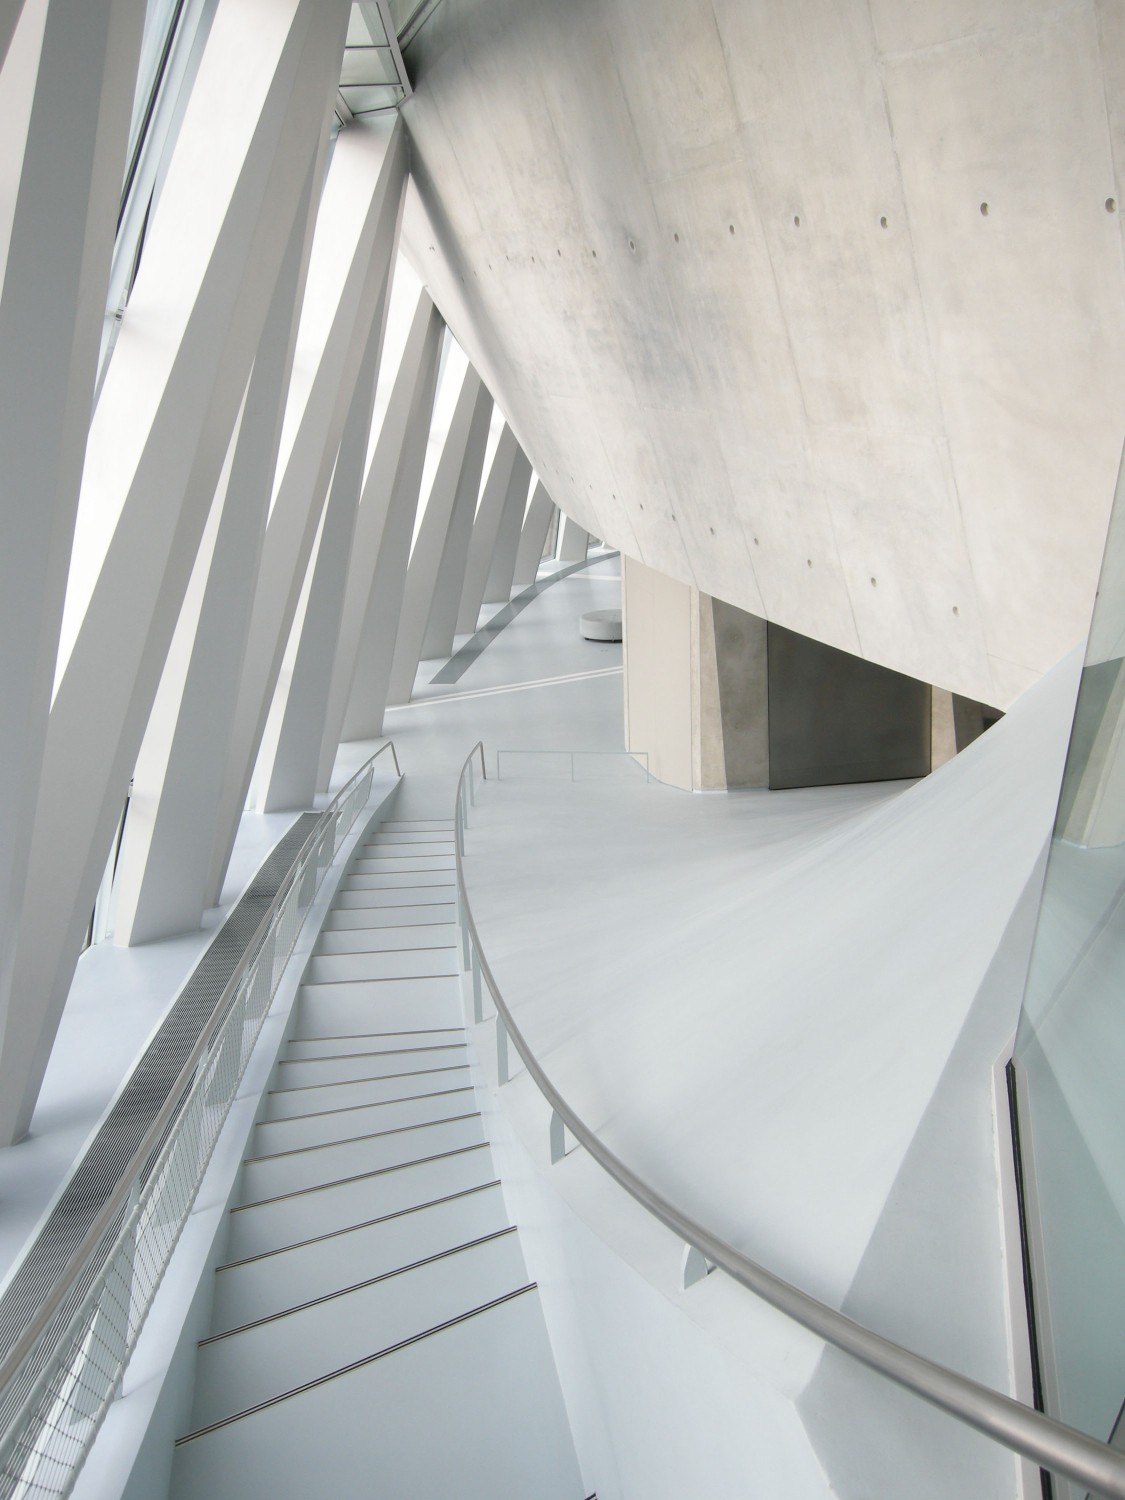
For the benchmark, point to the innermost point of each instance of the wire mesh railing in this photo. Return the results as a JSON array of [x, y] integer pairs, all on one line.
[[1095, 1466], [60, 1376]]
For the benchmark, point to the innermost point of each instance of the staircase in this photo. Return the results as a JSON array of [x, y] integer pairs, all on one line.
[[374, 1331]]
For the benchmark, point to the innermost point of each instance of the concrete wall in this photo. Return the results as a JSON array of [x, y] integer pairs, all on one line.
[[719, 699], [754, 285], [835, 718]]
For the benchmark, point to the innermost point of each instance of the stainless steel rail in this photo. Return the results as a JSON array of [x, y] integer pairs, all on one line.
[[1061, 1449], [59, 1375]]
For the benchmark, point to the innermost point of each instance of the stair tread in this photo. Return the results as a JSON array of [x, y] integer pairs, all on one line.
[[490, 1428], [270, 1358]]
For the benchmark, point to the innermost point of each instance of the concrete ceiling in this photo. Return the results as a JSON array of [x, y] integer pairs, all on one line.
[[727, 268]]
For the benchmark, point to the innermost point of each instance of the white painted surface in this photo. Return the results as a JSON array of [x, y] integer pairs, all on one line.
[[756, 966]]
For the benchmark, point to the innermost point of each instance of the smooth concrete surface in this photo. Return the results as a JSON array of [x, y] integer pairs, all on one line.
[[696, 684], [726, 269], [741, 667], [835, 718]]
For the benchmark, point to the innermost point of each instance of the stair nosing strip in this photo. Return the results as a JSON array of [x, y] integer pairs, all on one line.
[[332, 1234], [358, 1286], [352, 1140], [377, 979], [323, 1187], [358, 952], [375, 906], [357, 1364], [435, 887], [359, 1036], [300, 1088]]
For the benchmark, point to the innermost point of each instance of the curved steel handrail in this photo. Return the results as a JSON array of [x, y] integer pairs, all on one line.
[[1053, 1444], [20, 1347]]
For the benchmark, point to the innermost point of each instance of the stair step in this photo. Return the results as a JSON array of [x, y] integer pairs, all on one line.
[[383, 897], [263, 1361], [401, 864], [328, 1124], [354, 1043], [473, 1411], [283, 1104], [399, 880], [294, 1169], [417, 825], [402, 840], [401, 963], [297, 1073], [430, 914], [269, 1226], [258, 1288], [404, 1005], [385, 938]]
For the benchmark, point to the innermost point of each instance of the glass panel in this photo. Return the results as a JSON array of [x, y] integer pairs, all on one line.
[[365, 25], [367, 65], [1069, 1062], [362, 100], [160, 18]]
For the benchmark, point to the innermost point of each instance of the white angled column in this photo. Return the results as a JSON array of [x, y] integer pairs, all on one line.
[[166, 850], [493, 500], [354, 229], [498, 589], [10, 12], [376, 580], [442, 624], [536, 524], [573, 542], [157, 443], [443, 532], [289, 757], [65, 98]]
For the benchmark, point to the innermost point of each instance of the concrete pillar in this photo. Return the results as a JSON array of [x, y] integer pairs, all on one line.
[[157, 443], [489, 515], [377, 578], [943, 738], [835, 718], [574, 541], [433, 558], [166, 851], [696, 691], [449, 582], [10, 12], [289, 759], [357, 215], [719, 698], [60, 183], [541, 513], [498, 589]]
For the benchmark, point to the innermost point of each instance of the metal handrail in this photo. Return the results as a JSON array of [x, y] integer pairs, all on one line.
[[1053, 1444], [158, 1134]]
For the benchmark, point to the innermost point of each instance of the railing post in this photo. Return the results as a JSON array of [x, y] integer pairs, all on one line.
[[694, 1266], [464, 925], [478, 1003], [558, 1137], [501, 1050]]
